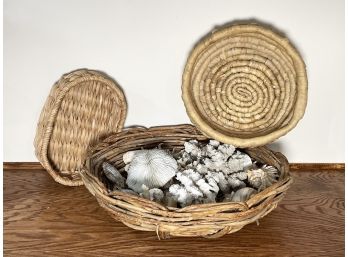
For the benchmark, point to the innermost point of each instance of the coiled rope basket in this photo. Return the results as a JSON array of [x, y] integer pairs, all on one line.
[[245, 85], [207, 220]]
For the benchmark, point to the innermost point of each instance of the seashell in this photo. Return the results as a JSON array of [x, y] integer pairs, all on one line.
[[239, 161], [192, 147], [181, 195], [226, 149], [156, 195], [235, 183], [128, 191], [243, 194], [114, 175], [201, 169], [220, 178], [228, 197], [242, 175], [214, 143], [169, 200], [263, 177], [145, 192], [128, 156], [187, 182], [184, 159], [218, 158], [152, 168]]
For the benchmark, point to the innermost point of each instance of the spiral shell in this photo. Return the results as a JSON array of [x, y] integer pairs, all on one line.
[[128, 157], [263, 177], [245, 85]]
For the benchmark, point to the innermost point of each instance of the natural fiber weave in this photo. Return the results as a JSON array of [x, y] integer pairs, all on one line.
[[245, 85], [208, 220], [81, 107]]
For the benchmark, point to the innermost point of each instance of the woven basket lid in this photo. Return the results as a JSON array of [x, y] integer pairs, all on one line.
[[245, 85], [82, 107]]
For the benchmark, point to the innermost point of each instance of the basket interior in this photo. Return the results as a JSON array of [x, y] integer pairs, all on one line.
[[112, 149], [208, 220]]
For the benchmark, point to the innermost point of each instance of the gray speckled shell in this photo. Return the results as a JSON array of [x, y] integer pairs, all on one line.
[[243, 194], [114, 175]]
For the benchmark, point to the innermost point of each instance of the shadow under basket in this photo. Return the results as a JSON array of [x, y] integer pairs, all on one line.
[[206, 220]]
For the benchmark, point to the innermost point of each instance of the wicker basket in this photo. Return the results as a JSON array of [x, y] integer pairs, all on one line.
[[243, 85], [207, 220], [81, 107]]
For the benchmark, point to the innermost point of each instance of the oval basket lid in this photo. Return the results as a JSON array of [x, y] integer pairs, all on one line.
[[245, 85], [82, 107]]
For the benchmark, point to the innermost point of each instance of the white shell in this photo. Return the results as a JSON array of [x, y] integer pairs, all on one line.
[[214, 143], [242, 175], [262, 178], [192, 147], [243, 194], [180, 195], [235, 183], [220, 178], [156, 194], [226, 149], [128, 157], [239, 161], [114, 175], [152, 168]]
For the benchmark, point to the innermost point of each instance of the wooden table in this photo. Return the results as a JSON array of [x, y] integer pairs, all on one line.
[[43, 218]]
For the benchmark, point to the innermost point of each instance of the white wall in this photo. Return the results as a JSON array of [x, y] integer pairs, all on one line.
[[144, 46]]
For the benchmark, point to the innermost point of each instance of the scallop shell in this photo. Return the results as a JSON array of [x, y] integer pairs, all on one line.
[[152, 168], [243, 194], [263, 177], [128, 157], [114, 175]]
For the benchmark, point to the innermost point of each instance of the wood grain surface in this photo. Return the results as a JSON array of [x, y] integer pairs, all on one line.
[[43, 218], [293, 166]]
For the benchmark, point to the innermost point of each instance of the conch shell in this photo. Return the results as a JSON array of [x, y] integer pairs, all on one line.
[[152, 168], [243, 194], [263, 177]]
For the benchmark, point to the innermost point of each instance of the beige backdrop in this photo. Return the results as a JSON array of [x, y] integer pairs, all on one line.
[[144, 46]]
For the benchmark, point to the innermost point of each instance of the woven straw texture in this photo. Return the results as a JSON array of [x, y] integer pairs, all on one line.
[[245, 85], [207, 220], [81, 107]]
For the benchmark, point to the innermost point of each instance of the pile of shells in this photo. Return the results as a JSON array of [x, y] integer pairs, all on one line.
[[200, 173]]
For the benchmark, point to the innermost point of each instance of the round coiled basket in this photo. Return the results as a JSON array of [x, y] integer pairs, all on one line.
[[206, 220], [245, 85]]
